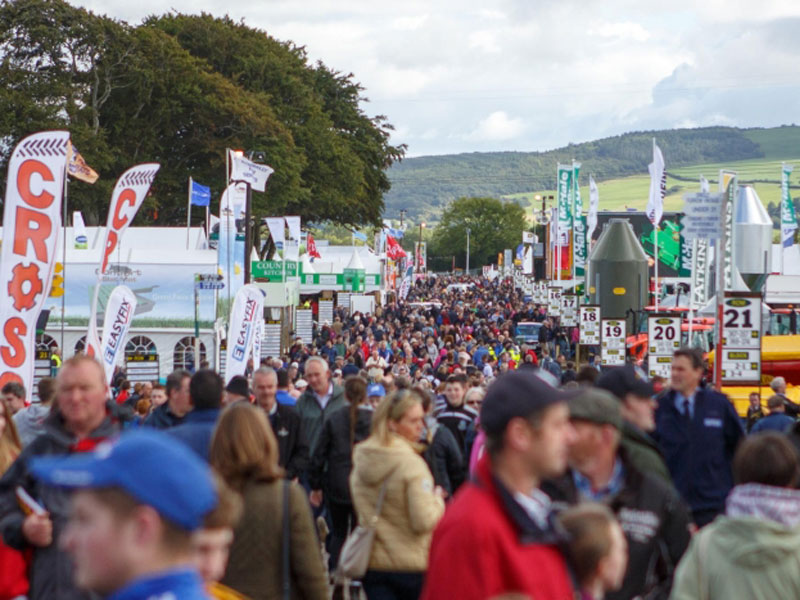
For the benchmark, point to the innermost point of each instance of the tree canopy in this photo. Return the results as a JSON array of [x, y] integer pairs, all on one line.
[[494, 226], [179, 90]]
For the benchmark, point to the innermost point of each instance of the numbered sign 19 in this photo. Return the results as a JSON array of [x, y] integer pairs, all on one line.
[[589, 325], [612, 347], [569, 310], [741, 338], [663, 338], [554, 302]]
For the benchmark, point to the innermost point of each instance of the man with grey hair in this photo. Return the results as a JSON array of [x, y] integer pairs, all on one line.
[[778, 386], [286, 424], [320, 399]]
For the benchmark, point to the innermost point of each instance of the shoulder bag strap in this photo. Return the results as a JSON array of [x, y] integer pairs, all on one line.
[[286, 536]]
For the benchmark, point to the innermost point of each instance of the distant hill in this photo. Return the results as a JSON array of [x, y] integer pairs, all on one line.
[[424, 185]]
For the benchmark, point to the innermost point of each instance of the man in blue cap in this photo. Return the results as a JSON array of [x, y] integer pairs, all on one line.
[[135, 505]]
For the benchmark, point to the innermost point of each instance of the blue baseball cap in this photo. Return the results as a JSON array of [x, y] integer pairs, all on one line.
[[376, 389], [151, 466]]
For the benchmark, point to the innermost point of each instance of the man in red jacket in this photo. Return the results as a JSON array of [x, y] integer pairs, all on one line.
[[497, 536]]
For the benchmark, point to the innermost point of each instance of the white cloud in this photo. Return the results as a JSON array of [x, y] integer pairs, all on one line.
[[461, 75], [498, 126]]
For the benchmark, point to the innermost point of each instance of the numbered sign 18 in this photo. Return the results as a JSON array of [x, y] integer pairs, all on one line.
[[554, 302], [589, 325], [612, 346], [569, 310]]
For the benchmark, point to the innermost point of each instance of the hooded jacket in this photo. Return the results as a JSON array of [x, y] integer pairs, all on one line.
[[410, 509], [487, 545], [643, 452], [51, 570], [741, 558], [30, 422]]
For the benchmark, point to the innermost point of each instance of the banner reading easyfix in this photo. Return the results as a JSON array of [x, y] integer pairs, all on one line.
[[128, 195], [31, 222], [119, 314], [248, 309]]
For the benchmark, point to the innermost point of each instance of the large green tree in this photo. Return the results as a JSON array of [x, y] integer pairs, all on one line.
[[179, 90], [494, 226]]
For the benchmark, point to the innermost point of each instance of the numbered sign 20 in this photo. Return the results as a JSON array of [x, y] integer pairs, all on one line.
[[589, 325], [612, 347], [663, 338]]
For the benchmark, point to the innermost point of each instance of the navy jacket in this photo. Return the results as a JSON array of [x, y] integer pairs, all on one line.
[[699, 452], [779, 422], [162, 418], [196, 430]]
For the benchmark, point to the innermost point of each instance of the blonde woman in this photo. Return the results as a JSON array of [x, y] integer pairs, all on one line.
[[411, 507], [244, 452]]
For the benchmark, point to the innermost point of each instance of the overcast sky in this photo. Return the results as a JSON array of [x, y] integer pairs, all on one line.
[[464, 76]]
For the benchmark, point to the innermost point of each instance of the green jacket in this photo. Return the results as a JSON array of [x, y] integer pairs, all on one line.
[[741, 558], [312, 416], [643, 452]]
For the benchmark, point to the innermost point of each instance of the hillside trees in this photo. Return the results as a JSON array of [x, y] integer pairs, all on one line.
[[179, 90]]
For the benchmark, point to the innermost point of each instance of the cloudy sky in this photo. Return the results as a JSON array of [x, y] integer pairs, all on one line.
[[464, 76]]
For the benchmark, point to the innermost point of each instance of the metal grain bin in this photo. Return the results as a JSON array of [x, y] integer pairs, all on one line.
[[752, 248], [618, 272]]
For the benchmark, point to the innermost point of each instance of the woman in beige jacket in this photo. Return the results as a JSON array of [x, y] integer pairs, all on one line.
[[412, 506]]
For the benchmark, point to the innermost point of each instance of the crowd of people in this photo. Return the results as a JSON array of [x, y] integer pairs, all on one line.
[[474, 465]]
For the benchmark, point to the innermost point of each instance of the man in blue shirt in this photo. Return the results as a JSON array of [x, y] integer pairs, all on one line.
[[777, 420], [136, 504], [698, 430]]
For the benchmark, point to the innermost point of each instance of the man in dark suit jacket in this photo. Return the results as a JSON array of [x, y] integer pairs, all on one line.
[[698, 430], [292, 446]]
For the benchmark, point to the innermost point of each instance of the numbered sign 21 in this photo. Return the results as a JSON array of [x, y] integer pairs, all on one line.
[[741, 338], [589, 325], [612, 347]]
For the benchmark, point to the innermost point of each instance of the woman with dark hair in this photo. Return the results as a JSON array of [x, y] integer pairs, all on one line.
[[750, 551], [244, 452], [332, 461]]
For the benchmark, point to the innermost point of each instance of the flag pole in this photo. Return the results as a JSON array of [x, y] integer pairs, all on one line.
[[655, 238], [64, 259], [188, 211]]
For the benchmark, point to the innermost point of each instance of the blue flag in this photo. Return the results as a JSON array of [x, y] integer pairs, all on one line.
[[201, 194], [359, 236]]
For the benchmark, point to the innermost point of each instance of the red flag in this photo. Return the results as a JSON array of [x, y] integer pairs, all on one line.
[[393, 249], [311, 247]]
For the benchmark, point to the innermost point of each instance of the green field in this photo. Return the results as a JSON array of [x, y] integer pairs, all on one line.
[[778, 144], [632, 192]]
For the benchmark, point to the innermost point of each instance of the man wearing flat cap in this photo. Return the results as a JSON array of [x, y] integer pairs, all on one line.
[[653, 517], [497, 536]]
